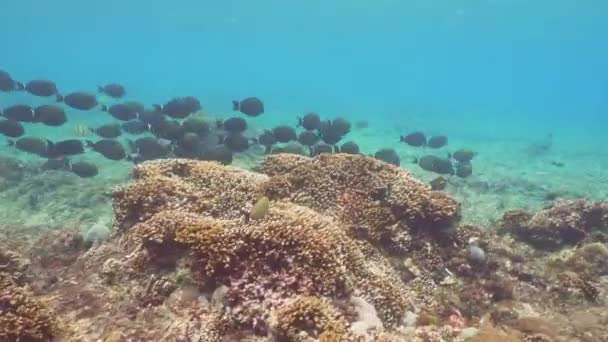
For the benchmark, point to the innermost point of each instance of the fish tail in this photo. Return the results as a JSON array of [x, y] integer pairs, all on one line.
[[401, 138], [235, 105], [19, 86], [300, 121], [10, 143], [59, 98], [89, 143], [157, 108], [104, 108], [99, 89]]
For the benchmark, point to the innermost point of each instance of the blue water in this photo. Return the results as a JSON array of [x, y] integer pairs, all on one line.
[[494, 67]]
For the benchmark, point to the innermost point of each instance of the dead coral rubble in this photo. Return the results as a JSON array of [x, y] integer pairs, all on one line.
[[300, 255]]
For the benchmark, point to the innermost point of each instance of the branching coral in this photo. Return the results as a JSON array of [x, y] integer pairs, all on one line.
[[304, 245], [22, 318]]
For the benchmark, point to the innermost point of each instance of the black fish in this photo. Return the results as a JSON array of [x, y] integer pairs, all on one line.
[[21, 113], [349, 148], [437, 141], [171, 130], [109, 131], [55, 164], [388, 155], [197, 126], [321, 149], [150, 148], [235, 125], [113, 90], [333, 131], [81, 101], [50, 115], [464, 170], [109, 148], [152, 117], [266, 139], [463, 155], [438, 183], [123, 112], [415, 139], [42, 88], [137, 106], [436, 164], [190, 142], [11, 128], [135, 127], [220, 154], [310, 121], [68, 147], [236, 142], [308, 138], [180, 107], [284, 134], [32, 145], [251, 106], [84, 169], [7, 83]]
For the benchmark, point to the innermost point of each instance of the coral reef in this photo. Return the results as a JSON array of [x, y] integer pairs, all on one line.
[[332, 248]]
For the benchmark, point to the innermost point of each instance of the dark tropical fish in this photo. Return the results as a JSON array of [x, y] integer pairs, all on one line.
[[415, 139], [190, 142], [109, 148], [235, 125], [81, 101], [251, 106], [50, 115], [137, 106], [21, 113], [84, 169], [438, 183], [196, 126], [180, 107], [42, 88], [55, 164], [464, 170], [152, 117], [321, 149], [291, 149], [68, 147], [220, 154], [150, 148], [437, 141], [463, 155], [388, 155], [135, 127], [11, 128], [340, 126], [310, 121], [113, 90], [123, 112], [308, 138], [32, 145], [171, 130], [284, 134], [7, 83], [349, 148], [333, 131], [109, 131], [236, 142], [436, 164], [266, 139]]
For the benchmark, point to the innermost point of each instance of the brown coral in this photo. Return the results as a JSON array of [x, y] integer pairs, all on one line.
[[311, 315], [21, 317]]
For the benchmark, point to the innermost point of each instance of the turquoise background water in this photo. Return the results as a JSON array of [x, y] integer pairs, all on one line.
[[489, 63], [495, 76]]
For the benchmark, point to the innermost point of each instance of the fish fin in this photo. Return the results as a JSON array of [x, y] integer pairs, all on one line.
[[235, 105], [10, 143], [19, 86], [59, 98], [104, 108]]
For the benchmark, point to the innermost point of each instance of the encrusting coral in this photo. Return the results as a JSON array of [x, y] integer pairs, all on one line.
[[302, 246]]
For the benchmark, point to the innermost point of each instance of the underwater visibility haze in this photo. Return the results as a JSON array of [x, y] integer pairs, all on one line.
[[304, 170]]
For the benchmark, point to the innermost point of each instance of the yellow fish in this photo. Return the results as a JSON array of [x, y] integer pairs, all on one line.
[[82, 130]]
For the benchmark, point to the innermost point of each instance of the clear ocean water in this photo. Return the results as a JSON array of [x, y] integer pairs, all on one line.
[[497, 76]]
